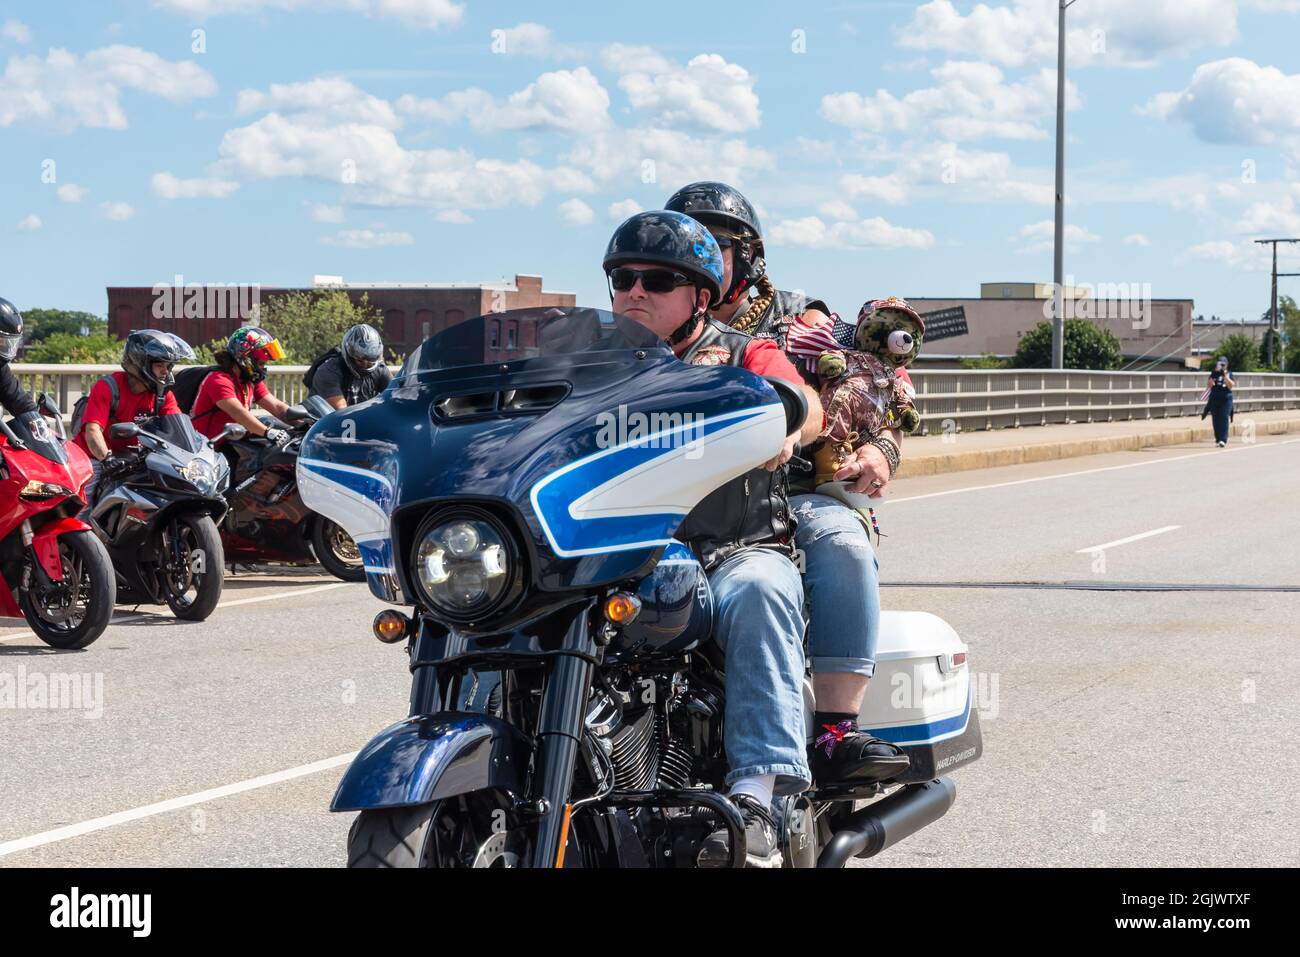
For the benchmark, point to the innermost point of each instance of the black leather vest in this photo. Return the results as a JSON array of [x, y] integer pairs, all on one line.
[[752, 509]]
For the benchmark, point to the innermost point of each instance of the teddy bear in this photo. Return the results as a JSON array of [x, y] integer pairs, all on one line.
[[864, 385]]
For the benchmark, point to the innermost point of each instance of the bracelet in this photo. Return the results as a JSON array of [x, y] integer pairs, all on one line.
[[889, 450]]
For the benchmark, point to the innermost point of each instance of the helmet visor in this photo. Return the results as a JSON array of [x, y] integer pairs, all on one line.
[[270, 352], [9, 346]]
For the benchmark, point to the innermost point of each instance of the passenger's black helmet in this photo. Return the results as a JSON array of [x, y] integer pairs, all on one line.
[[724, 209], [717, 204], [362, 344], [147, 346], [11, 331], [670, 239]]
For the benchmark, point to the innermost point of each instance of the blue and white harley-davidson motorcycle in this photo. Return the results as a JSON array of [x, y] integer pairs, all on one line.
[[566, 701]]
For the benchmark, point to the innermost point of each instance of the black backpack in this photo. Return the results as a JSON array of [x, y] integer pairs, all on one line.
[[187, 385], [310, 374], [79, 410]]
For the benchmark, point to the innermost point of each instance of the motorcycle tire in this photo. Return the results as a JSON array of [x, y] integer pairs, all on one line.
[[207, 540], [325, 545], [83, 552], [453, 833]]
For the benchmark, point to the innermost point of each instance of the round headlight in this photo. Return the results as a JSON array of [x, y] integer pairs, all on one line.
[[463, 565]]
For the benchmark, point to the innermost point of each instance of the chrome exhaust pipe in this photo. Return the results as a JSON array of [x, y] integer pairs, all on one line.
[[881, 825]]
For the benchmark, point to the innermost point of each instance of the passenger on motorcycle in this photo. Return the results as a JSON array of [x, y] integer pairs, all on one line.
[[140, 391], [664, 269], [841, 574], [15, 401], [229, 391], [352, 372]]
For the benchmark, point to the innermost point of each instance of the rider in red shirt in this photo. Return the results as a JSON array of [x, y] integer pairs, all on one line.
[[228, 393]]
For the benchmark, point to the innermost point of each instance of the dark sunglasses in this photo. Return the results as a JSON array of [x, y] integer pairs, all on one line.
[[652, 280]]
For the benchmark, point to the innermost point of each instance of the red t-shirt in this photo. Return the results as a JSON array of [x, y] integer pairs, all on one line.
[[764, 357], [219, 385], [131, 407]]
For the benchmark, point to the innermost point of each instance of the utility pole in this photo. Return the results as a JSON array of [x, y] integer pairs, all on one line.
[[1274, 324], [1058, 274]]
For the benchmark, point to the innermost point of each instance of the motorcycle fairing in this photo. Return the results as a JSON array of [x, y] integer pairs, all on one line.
[[430, 757], [582, 527]]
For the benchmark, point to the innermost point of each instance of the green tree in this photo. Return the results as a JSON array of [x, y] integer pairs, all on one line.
[[1242, 352], [307, 323], [39, 324], [986, 361], [1087, 346], [73, 348], [1289, 316]]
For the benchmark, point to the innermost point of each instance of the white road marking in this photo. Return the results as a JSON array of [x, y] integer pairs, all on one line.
[[1107, 468], [1125, 541], [165, 612], [174, 804]]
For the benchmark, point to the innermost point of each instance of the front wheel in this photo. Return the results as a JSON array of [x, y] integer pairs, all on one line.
[[192, 565], [470, 830], [336, 551], [73, 612]]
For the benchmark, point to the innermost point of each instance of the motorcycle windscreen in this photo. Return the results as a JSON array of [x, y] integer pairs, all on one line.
[[578, 422], [177, 430]]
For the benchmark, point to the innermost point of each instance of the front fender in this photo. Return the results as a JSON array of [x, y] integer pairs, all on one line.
[[45, 543], [429, 757]]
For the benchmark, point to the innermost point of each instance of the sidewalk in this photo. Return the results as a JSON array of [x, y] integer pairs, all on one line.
[[934, 454]]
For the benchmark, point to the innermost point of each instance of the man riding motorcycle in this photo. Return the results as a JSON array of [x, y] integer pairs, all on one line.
[[352, 372], [140, 391], [15, 401], [664, 269], [840, 568], [229, 391]]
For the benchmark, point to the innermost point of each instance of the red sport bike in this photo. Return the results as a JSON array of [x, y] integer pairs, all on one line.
[[53, 570]]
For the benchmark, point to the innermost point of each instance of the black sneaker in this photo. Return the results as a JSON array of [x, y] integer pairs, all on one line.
[[845, 755], [760, 838]]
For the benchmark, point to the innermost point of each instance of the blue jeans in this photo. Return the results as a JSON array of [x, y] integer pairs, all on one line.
[[841, 576], [1221, 412], [758, 604], [92, 486]]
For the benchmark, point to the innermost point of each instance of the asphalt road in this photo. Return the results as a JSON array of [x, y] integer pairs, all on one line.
[[1150, 728]]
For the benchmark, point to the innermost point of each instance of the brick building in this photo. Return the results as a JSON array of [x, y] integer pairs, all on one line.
[[411, 311]]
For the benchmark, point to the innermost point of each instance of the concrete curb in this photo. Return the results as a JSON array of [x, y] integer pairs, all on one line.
[[963, 460]]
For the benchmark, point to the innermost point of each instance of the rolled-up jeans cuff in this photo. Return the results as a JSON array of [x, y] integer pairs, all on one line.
[[844, 666], [790, 778]]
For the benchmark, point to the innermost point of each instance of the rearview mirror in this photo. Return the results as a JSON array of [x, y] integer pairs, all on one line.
[[123, 430], [317, 407], [48, 406], [295, 413], [233, 430]]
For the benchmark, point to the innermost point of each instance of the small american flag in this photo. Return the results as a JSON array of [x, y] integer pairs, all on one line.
[[811, 341], [1205, 395]]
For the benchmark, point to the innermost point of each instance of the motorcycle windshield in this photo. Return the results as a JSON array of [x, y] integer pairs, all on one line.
[[577, 422], [177, 431], [45, 444]]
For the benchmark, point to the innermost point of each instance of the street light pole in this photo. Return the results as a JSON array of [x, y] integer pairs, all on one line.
[[1058, 275], [1274, 324]]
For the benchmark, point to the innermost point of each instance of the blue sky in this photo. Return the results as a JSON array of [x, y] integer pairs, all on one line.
[[892, 147]]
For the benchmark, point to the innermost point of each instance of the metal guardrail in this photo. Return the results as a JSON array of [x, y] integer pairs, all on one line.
[[971, 400], [68, 383]]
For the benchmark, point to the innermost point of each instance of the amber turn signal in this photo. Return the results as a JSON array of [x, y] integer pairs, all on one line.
[[390, 626], [620, 607]]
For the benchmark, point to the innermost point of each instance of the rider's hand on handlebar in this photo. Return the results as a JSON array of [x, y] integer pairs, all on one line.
[[786, 453], [279, 436], [115, 465]]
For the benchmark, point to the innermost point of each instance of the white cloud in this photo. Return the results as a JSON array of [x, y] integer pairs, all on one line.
[[367, 239], [971, 101], [837, 209], [570, 101], [72, 193], [320, 101], [1243, 255], [576, 213], [454, 216], [885, 189], [1136, 239], [1235, 101], [66, 91], [117, 210], [528, 39], [379, 171], [29, 223], [170, 187], [424, 14], [17, 31], [323, 213], [949, 172], [1267, 220], [814, 233], [1039, 237], [1098, 32], [707, 94], [667, 156], [623, 209]]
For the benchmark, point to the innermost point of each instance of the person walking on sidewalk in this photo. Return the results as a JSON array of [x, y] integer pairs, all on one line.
[[1219, 395]]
